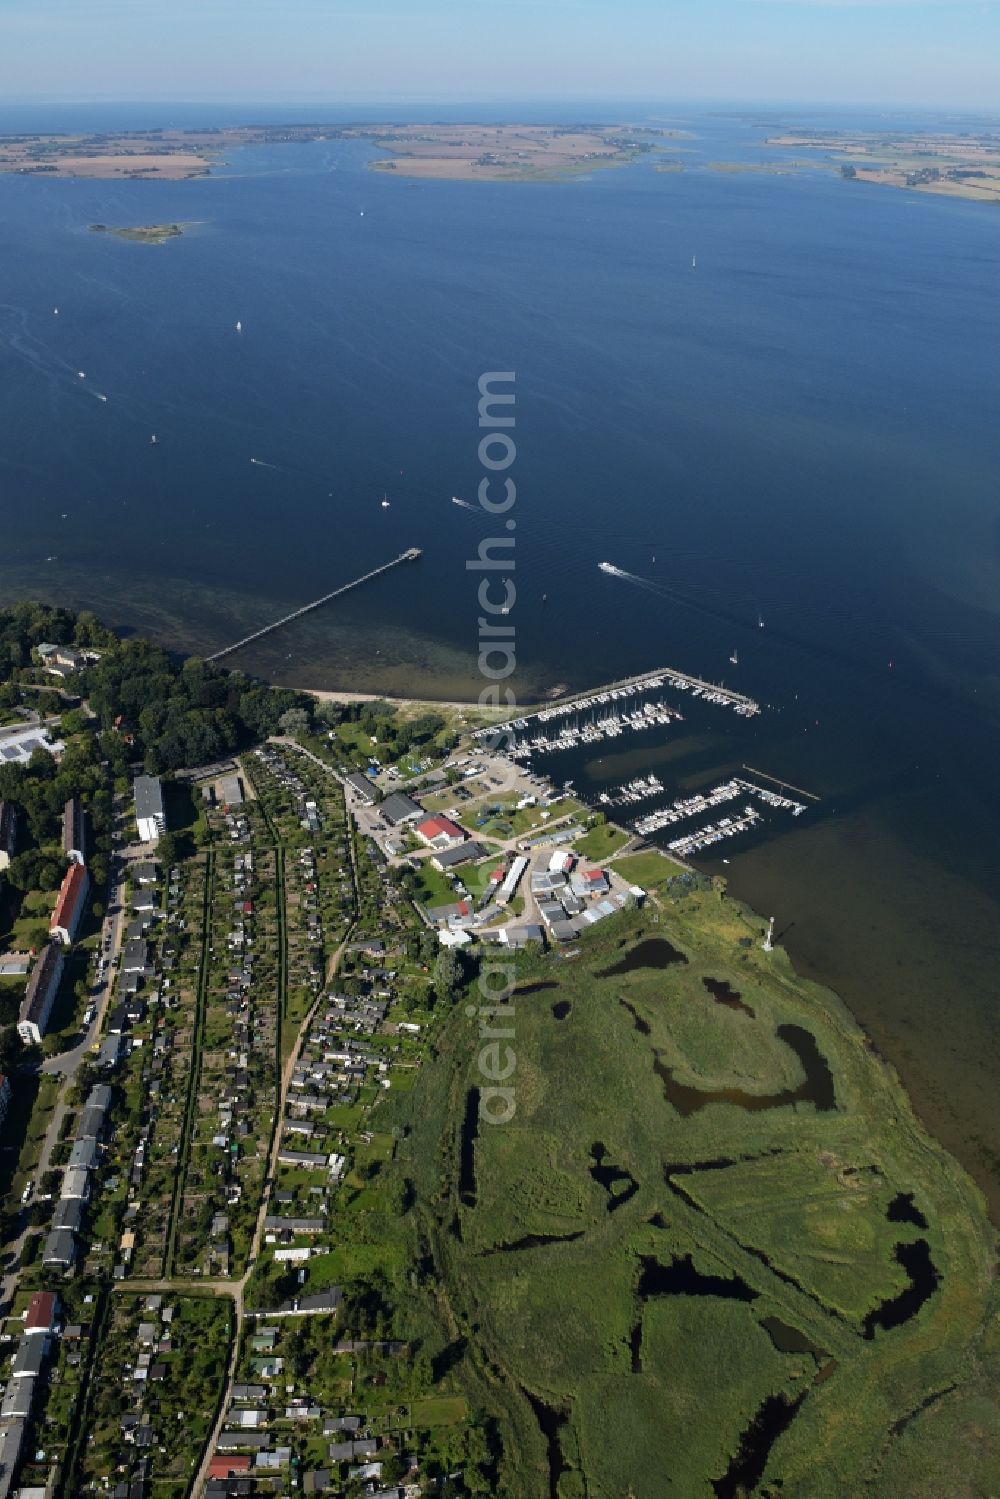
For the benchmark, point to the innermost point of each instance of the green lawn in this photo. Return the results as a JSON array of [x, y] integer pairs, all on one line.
[[438, 1410], [434, 887], [601, 842], [650, 870]]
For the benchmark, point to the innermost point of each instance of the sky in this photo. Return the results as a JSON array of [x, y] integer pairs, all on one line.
[[895, 52]]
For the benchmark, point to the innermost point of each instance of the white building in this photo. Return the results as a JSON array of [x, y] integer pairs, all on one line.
[[149, 815], [39, 997], [18, 748], [506, 892]]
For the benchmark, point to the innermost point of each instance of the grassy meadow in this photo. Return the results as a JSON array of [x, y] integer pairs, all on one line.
[[649, 1299]]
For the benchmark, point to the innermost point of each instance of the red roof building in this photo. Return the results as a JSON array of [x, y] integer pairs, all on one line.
[[440, 832], [228, 1466], [41, 1314], [69, 906]]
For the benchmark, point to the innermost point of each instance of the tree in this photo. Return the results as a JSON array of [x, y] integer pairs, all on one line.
[[295, 721], [330, 712], [449, 973], [394, 1469], [166, 850], [73, 722], [11, 1049]]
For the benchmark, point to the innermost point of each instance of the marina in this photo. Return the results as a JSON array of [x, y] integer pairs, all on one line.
[[711, 833], [641, 789], [692, 806], [609, 712], [637, 705]]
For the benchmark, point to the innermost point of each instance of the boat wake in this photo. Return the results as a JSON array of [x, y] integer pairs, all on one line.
[[620, 572], [671, 595], [260, 463]]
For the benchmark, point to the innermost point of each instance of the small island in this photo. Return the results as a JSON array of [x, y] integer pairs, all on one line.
[[141, 234]]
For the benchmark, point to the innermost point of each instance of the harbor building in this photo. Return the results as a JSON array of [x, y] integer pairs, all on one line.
[[399, 808], [513, 878], [362, 788], [447, 859], [74, 831], [65, 921], [440, 832], [43, 986], [149, 815]]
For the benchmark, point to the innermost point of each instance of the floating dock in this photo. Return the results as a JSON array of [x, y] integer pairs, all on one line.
[[614, 692], [612, 710], [410, 555]]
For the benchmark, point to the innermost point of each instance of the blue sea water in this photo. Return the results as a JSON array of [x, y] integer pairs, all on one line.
[[802, 426]]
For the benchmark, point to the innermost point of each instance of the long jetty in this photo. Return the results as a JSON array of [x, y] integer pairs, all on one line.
[[410, 555]]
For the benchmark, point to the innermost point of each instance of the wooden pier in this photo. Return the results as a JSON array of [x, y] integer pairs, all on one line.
[[410, 555], [786, 785]]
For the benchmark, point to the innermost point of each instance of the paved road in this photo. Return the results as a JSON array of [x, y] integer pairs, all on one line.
[[67, 1063], [115, 923], [8, 1285]]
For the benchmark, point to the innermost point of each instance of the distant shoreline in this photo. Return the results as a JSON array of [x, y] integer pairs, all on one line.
[[468, 152], [945, 165]]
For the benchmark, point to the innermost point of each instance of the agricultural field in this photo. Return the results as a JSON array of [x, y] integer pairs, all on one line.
[[708, 1169]]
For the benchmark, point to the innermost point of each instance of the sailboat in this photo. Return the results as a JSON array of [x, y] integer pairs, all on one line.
[[239, 326], [385, 501], [55, 312], [760, 620], [694, 262], [153, 440], [734, 658]]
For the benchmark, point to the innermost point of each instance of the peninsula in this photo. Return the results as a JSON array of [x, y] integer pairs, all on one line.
[[489, 152], [950, 165]]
